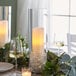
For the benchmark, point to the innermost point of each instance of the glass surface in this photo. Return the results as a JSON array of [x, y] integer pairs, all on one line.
[[60, 28], [15, 49], [61, 7], [38, 55], [5, 21], [73, 7]]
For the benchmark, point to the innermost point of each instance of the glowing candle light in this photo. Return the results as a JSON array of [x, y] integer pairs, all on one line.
[[37, 56], [37, 38], [26, 72], [3, 32]]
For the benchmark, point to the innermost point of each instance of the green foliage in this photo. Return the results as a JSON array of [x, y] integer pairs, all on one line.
[[4, 51], [22, 61], [52, 66], [2, 54], [22, 40], [52, 57], [7, 46]]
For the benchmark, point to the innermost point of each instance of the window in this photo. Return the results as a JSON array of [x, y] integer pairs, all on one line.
[[64, 19]]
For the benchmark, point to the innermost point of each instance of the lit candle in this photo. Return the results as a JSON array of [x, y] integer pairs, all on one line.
[[3, 32], [26, 72], [37, 56], [37, 38]]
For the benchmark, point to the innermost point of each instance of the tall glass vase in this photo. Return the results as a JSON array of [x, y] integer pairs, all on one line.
[[38, 39]]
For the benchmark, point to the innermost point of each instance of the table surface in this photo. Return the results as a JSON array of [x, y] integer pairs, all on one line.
[[14, 73]]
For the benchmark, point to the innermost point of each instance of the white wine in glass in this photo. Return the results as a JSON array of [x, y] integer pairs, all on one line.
[[15, 51]]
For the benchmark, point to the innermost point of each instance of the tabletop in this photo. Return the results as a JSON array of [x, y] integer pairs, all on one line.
[[14, 73]]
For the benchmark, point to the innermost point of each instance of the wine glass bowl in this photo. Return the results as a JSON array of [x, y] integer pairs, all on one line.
[[15, 51], [12, 49], [59, 44]]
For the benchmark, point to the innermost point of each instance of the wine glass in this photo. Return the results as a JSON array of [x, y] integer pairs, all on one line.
[[13, 51], [59, 44]]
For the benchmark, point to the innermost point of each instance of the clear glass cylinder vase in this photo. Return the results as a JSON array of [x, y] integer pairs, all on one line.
[[38, 57]]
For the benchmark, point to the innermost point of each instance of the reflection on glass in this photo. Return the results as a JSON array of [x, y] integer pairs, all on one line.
[[5, 24]]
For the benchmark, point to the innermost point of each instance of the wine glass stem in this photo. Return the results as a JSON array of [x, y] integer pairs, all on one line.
[[58, 51], [16, 63]]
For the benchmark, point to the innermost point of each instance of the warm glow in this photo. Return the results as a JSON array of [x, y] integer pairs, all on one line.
[[37, 37], [26, 72], [3, 32], [37, 56]]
